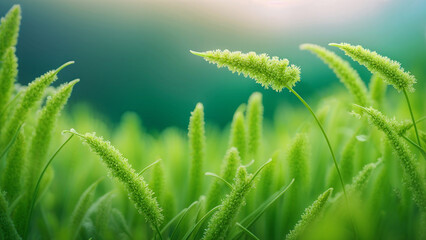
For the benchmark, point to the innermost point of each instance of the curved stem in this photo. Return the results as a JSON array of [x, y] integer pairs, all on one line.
[[38, 185], [326, 139], [332, 154], [412, 117]]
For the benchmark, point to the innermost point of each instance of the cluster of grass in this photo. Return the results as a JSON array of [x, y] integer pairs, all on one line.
[[333, 176]]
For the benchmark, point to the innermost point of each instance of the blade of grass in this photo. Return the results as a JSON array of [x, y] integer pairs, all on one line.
[[220, 178], [199, 223], [181, 219], [6, 149], [255, 215], [247, 231]]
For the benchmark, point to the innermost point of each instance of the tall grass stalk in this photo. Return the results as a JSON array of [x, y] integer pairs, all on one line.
[[197, 144], [269, 72], [413, 177], [391, 72], [119, 168]]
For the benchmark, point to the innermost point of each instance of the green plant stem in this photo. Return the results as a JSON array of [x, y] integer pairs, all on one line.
[[331, 151], [412, 117], [326, 139], [158, 232], [247, 231], [38, 185], [415, 145]]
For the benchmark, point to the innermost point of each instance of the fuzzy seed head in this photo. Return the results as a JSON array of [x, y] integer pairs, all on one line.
[[254, 123], [391, 71], [238, 134], [412, 177], [309, 215], [9, 29], [268, 71], [347, 75], [221, 221], [197, 142], [119, 168]]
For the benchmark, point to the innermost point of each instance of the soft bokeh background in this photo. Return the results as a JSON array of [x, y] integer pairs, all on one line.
[[133, 55]]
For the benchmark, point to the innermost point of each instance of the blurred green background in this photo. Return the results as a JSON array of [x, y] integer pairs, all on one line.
[[133, 55]]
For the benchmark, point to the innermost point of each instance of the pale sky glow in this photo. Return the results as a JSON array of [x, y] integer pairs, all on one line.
[[254, 14]]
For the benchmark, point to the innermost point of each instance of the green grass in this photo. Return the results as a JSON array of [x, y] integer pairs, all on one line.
[[356, 170]]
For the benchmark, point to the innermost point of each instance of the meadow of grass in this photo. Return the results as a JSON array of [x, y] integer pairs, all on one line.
[[341, 169]]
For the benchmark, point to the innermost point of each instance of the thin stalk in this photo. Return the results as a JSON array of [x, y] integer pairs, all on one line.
[[148, 167], [331, 151], [38, 185], [326, 139], [412, 117], [158, 232], [415, 145], [220, 178], [247, 231]]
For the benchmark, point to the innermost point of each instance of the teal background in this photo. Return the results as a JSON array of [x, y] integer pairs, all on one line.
[[134, 55]]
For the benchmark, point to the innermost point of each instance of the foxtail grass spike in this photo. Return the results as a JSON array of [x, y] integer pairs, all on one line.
[[33, 93], [346, 162], [413, 179], [9, 29], [377, 90], [268, 71], [298, 160], [8, 73], [229, 167], [197, 142], [13, 172], [8, 230], [120, 169], [390, 71], [360, 180], [221, 221], [347, 75], [254, 123], [238, 134], [43, 131], [158, 181], [309, 215], [80, 210]]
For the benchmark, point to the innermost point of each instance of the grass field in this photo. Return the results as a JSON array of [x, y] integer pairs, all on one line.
[[349, 166]]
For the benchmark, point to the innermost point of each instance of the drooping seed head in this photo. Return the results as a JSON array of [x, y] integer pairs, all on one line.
[[347, 75], [268, 71], [391, 71]]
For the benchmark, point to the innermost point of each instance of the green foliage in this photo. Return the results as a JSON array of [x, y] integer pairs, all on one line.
[[33, 93], [347, 75], [229, 167], [390, 71], [8, 230], [197, 142], [43, 132], [9, 29], [8, 73], [311, 213], [379, 207], [377, 90], [12, 174], [268, 71], [119, 168], [254, 123], [298, 160], [224, 217], [238, 137], [413, 178], [80, 210]]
